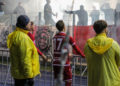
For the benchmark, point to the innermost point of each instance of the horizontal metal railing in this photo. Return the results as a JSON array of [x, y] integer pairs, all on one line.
[[47, 77]]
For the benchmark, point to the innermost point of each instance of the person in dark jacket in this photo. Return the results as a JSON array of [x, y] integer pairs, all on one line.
[[82, 16], [48, 13]]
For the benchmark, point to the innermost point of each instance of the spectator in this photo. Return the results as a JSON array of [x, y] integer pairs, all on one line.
[[1, 10], [117, 14], [103, 58], [48, 14], [19, 10], [95, 14], [23, 54], [82, 16], [109, 13], [58, 41]]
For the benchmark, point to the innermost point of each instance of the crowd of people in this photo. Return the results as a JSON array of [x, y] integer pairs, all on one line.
[[110, 15], [24, 54], [101, 52]]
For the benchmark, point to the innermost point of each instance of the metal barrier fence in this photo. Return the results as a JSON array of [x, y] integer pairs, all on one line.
[[5, 77], [47, 77]]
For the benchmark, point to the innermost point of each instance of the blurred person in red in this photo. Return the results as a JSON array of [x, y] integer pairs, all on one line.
[[30, 34], [58, 41]]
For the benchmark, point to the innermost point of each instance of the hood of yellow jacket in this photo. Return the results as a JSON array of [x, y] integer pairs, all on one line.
[[100, 43]]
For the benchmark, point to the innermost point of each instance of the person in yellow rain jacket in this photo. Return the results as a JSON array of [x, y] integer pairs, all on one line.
[[23, 54], [103, 58]]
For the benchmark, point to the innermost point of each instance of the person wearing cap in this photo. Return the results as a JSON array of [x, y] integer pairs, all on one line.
[[23, 54]]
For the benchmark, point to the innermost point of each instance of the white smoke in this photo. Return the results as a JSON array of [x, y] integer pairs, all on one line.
[[33, 7]]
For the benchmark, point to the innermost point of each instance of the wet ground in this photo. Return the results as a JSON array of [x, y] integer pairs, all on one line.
[[46, 78]]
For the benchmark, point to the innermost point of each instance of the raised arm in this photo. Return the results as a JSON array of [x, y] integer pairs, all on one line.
[[75, 47]]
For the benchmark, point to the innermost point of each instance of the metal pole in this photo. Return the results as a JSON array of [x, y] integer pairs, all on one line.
[[74, 73], [80, 71], [45, 74], [52, 68], [2, 68]]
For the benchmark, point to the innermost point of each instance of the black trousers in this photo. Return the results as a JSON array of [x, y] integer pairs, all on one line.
[[24, 82]]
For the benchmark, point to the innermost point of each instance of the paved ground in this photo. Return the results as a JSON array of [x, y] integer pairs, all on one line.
[[45, 80]]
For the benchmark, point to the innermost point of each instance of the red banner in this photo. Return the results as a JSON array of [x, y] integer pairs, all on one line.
[[82, 34]]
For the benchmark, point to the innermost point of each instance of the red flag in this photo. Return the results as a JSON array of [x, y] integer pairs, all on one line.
[[82, 34]]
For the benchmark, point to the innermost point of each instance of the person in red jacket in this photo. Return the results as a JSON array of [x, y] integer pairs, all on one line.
[[58, 41], [33, 39]]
